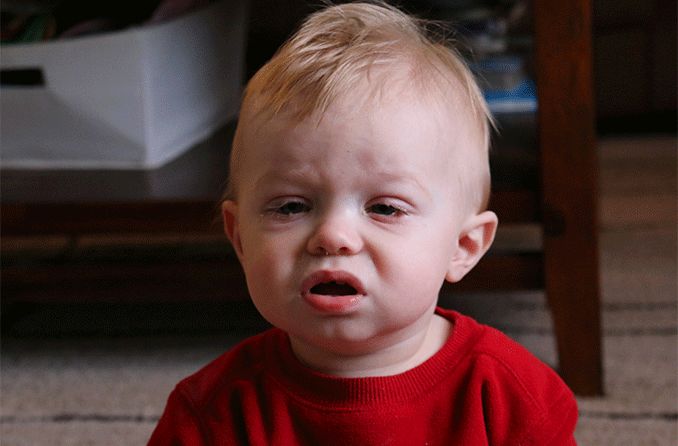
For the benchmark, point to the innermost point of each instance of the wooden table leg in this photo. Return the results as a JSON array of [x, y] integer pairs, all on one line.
[[566, 123]]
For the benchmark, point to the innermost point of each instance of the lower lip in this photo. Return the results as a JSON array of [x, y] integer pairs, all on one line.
[[333, 304]]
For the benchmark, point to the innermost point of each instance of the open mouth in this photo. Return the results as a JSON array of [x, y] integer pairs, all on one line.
[[333, 292], [332, 283], [333, 288]]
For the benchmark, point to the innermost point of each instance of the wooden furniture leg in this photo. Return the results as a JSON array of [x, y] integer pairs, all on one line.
[[566, 124]]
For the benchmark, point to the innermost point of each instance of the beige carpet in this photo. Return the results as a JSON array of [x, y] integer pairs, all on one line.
[[110, 390]]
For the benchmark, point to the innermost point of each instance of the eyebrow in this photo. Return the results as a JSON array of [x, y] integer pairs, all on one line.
[[302, 177], [387, 176], [282, 174]]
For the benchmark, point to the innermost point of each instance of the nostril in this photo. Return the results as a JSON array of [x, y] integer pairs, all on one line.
[[344, 249], [335, 235]]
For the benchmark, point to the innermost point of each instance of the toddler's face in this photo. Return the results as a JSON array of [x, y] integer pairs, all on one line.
[[346, 229]]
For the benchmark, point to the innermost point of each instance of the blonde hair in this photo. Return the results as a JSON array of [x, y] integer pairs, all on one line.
[[336, 48]]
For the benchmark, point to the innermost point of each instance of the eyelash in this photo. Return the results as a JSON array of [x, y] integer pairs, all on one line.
[[290, 208], [393, 211]]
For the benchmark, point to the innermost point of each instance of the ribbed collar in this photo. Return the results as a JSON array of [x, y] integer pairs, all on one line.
[[335, 392]]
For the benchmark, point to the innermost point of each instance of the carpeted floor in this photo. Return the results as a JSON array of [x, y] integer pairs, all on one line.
[[109, 390]]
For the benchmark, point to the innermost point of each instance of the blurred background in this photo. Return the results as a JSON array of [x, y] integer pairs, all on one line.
[[116, 123]]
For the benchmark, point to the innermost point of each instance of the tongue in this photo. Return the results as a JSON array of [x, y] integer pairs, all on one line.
[[333, 289]]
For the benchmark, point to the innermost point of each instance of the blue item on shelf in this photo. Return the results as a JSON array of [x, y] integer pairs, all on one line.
[[522, 98]]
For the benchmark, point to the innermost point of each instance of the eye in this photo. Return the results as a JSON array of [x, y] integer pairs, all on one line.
[[383, 209], [292, 207]]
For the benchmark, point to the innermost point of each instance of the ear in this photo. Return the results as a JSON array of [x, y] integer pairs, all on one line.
[[474, 240], [229, 214]]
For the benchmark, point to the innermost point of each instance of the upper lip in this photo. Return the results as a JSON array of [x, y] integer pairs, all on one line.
[[326, 276]]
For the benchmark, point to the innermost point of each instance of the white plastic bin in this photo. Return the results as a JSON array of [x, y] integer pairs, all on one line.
[[135, 98]]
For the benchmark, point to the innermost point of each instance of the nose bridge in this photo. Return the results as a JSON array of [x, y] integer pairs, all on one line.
[[336, 232]]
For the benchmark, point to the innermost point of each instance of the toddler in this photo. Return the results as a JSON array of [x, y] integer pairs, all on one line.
[[359, 181]]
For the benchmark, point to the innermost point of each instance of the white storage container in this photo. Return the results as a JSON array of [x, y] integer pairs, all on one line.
[[135, 98]]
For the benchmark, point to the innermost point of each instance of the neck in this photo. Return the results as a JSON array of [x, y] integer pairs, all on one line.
[[397, 357]]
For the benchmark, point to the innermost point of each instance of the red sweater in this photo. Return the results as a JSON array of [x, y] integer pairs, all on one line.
[[481, 388]]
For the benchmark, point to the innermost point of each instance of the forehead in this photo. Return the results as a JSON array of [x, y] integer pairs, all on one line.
[[369, 130], [378, 123]]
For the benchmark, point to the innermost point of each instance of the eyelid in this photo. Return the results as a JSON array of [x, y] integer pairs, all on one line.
[[398, 202], [278, 201]]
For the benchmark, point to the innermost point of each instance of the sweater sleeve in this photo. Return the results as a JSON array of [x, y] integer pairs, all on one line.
[[178, 425]]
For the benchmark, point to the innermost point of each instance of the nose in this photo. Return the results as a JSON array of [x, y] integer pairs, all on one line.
[[335, 235]]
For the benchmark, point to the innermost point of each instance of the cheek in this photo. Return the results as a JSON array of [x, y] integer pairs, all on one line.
[[261, 260], [267, 261], [264, 273], [422, 260]]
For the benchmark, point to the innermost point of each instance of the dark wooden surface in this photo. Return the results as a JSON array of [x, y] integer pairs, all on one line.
[[180, 196]]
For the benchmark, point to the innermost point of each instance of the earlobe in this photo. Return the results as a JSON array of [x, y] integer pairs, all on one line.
[[229, 214], [475, 239]]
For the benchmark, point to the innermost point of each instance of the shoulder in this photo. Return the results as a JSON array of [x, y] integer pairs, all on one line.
[[495, 354], [516, 390], [244, 363], [186, 418], [508, 361]]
